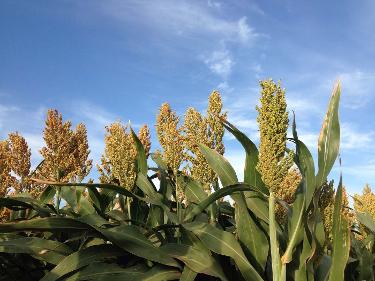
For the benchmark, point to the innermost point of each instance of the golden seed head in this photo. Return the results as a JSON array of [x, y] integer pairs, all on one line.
[[66, 151], [274, 164], [20, 155], [170, 138], [207, 130], [119, 156], [4, 214], [273, 123], [6, 179], [215, 128], [145, 138], [289, 185], [327, 203], [195, 129], [365, 203]]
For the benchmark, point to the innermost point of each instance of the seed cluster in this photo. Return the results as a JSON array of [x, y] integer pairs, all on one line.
[[327, 203], [170, 137], [118, 163], [66, 151], [274, 164], [207, 130], [365, 203]]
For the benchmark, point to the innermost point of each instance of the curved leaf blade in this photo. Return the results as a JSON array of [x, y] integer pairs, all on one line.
[[251, 174], [220, 165], [329, 138], [224, 243], [80, 259], [141, 155], [341, 239], [199, 261]]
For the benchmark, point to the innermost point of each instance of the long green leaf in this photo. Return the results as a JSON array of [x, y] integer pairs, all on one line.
[[199, 261], [329, 138], [47, 250], [132, 240], [193, 190], [44, 224], [367, 220], [99, 271], [80, 259], [220, 165], [141, 155], [188, 274], [306, 165], [341, 239], [144, 184], [224, 243], [322, 270], [251, 174], [159, 273], [295, 228], [251, 236], [228, 190], [257, 204]]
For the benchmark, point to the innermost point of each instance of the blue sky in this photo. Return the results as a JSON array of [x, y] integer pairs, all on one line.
[[102, 61]]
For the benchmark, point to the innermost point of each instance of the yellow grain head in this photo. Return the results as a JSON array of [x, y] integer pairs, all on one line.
[[365, 202], [274, 164], [120, 154], [207, 130], [145, 138], [6, 179], [66, 151], [170, 138], [326, 205]]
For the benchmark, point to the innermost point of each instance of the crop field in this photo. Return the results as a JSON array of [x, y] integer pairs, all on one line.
[[181, 212]]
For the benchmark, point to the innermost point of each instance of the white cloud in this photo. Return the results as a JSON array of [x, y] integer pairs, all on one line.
[[365, 171], [224, 87], [357, 88], [5, 112], [201, 25], [309, 138], [180, 18], [220, 63], [214, 4], [353, 139], [302, 105], [244, 30], [350, 138]]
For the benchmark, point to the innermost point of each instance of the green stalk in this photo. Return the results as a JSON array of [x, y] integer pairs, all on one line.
[[58, 199], [58, 196], [178, 206], [129, 211], [275, 256]]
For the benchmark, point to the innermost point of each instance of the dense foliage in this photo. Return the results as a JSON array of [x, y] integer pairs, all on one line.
[[169, 218]]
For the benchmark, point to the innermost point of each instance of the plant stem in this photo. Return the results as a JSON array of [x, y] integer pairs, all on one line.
[[58, 199], [129, 211], [273, 240], [178, 208]]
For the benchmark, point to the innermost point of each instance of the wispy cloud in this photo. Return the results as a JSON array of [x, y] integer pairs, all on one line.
[[356, 140], [220, 63], [5, 112], [203, 25], [181, 18], [358, 88]]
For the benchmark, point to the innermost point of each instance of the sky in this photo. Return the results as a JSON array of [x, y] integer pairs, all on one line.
[[103, 61]]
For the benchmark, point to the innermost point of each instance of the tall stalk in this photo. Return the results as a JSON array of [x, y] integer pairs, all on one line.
[[275, 256]]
